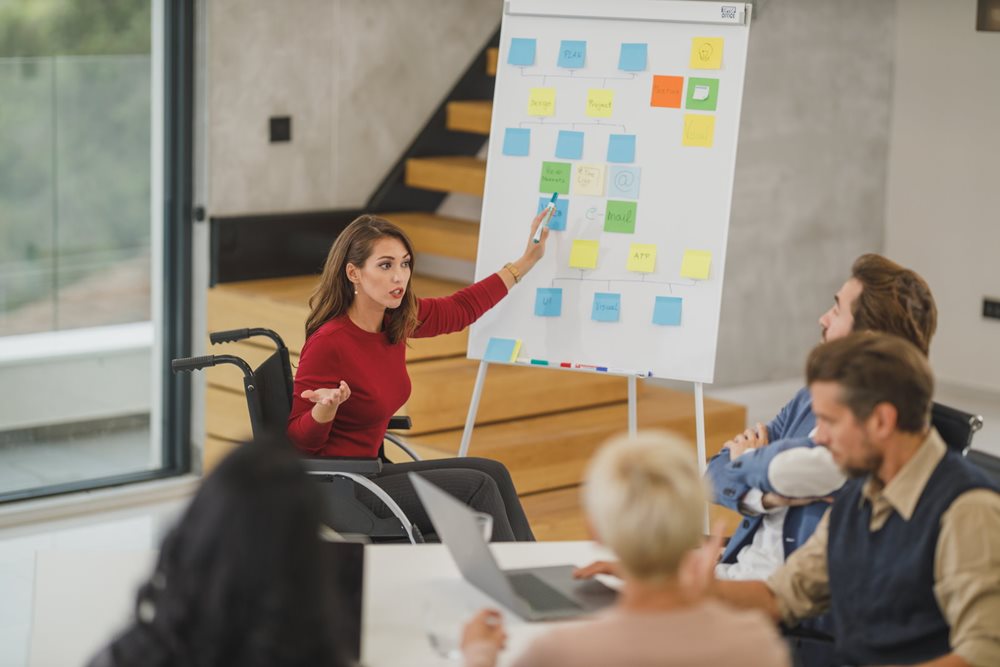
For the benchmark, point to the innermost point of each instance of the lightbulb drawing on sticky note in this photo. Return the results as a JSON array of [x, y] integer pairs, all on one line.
[[642, 258], [706, 53], [584, 254], [542, 102], [600, 102], [696, 264], [589, 180]]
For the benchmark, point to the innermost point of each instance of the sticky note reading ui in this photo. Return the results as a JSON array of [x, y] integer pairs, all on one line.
[[584, 254], [503, 350], [569, 145], [706, 53], [516, 141], [619, 217], [542, 102], [555, 177], [623, 182], [558, 220], [667, 91], [607, 307], [548, 302], [589, 180], [696, 264], [642, 257], [599, 102], [632, 57], [703, 94], [572, 54], [522, 52], [667, 311], [621, 148], [699, 130]]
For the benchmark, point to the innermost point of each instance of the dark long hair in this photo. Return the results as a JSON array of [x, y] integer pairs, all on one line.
[[335, 292], [895, 300]]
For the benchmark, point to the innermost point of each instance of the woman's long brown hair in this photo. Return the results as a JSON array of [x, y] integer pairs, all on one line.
[[335, 292]]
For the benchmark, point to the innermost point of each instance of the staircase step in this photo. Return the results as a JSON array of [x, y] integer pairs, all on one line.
[[453, 173], [440, 235], [471, 116], [492, 55]]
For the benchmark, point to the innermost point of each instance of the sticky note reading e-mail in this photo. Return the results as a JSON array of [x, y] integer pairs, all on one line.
[[696, 264], [642, 258], [503, 350], [584, 254], [542, 102]]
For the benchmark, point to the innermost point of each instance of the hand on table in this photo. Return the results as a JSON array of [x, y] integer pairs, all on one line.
[[483, 635], [598, 567]]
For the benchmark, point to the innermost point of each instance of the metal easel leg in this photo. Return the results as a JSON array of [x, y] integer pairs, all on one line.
[[470, 419]]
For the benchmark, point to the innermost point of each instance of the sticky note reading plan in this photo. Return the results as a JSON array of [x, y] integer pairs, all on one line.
[[503, 350], [589, 180], [667, 311], [522, 52], [542, 102], [584, 254], [699, 130], [516, 141], [696, 264], [632, 57], [706, 53], [569, 145], [642, 258], [572, 54], [667, 91], [599, 102], [555, 177], [607, 307], [619, 217], [558, 220], [548, 302]]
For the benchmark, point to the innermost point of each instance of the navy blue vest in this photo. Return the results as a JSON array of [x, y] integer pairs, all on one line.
[[882, 583]]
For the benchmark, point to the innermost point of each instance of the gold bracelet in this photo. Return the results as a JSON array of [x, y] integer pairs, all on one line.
[[513, 271]]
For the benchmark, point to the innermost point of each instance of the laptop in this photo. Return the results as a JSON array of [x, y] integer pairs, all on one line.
[[534, 593]]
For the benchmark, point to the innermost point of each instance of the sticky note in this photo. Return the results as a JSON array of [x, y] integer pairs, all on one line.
[[548, 302], [667, 91], [619, 216], [642, 258], [584, 254], [599, 102], [569, 145], [607, 307], [589, 180], [696, 264], [502, 349], [706, 53], [699, 130], [621, 148], [632, 57], [542, 102], [703, 94], [572, 53], [623, 182], [558, 220], [667, 311], [522, 52], [516, 141], [555, 177]]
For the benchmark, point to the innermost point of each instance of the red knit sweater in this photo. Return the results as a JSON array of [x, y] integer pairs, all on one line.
[[374, 369]]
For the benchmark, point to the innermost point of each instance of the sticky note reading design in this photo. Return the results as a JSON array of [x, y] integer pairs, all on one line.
[[667, 91], [703, 94], [555, 177], [599, 102], [589, 180], [542, 102], [642, 258], [667, 311], [706, 53], [522, 52], [619, 217], [699, 130], [584, 254], [621, 148], [548, 302], [632, 57], [569, 145], [572, 54], [623, 182], [503, 350], [558, 220], [516, 141], [696, 264], [607, 307]]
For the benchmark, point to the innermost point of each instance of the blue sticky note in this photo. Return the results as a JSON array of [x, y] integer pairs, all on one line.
[[522, 52], [607, 306], [632, 57], [558, 220], [516, 141], [548, 302], [667, 311], [621, 148], [501, 349], [569, 145], [623, 182], [572, 53]]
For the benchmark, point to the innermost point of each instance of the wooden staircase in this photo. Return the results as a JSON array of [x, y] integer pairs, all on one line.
[[543, 424]]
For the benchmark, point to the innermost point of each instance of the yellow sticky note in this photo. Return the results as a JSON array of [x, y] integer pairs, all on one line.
[[699, 130], [599, 102], [584, 254], [642, 257], [706, 53], [696, 264], [542, 102], [589, 180]]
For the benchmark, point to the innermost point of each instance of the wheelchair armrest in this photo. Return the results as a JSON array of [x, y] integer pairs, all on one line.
[[357, 466], [400, 422]]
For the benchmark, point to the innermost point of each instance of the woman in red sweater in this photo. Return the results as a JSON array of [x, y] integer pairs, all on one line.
[[352, 374]]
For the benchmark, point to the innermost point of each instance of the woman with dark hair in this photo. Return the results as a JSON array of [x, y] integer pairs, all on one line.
[[240, 580], [352, 370]]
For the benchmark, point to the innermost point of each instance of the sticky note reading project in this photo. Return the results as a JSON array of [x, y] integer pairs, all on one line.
[[516, 141], [699, 130], [555, 177], [703, 94], [502, 350], [607, 307], [623, 182], [589, 180], [584, 254], [619, 217], [667, 311], [667, 91], [569, 145], [696, 264], [599, 102], [642, 258], [522, 52], [632, 57], [558, 220], [706, 53], [548, 302], [621, 148], [542, 102], [572, 54]]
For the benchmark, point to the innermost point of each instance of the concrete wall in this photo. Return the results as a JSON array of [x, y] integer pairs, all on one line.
[[942, 213]]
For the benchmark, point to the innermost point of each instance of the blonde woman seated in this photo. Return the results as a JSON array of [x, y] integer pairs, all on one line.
[[645, 500]]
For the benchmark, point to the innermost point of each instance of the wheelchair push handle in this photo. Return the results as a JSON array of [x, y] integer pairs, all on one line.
[[228, 336], [192, 363]]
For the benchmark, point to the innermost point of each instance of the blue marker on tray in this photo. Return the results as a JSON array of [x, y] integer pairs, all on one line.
[[550, 210]]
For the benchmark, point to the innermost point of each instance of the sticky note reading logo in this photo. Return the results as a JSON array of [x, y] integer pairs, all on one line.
[[555, 177], [623, 182], [619, 217], [642, 258], [589, 180], [699, 130], [703, 94], [607, 307], [706, 53], [667, 311], [522, 52], [548, 302], [558, 220], [584, 254], [667, 91], [542, 102], [572, 54], [696, 264], [599, 102]]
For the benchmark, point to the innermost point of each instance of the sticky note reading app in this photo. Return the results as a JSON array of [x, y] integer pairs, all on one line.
[[706, 53], [542, 102], [548, 302], [584, 254], [599, 102], [555, 177], [696, 264], [642, 258]]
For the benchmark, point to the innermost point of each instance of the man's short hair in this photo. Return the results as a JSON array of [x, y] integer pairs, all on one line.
[[893, 299], [873, 367], [645, 499]]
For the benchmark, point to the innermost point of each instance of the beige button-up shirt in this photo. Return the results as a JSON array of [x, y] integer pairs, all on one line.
[[966, 560]]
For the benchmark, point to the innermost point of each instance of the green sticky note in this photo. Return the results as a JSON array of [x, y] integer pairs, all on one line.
[[702, 94], [555, 177], [620, 217]]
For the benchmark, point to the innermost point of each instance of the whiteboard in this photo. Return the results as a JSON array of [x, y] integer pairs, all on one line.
[[650, 179]]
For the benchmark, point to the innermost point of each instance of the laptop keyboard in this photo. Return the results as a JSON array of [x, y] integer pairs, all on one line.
[[539, 594]]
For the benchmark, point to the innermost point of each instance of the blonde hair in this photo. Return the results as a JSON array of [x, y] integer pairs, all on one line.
[[645, 498]]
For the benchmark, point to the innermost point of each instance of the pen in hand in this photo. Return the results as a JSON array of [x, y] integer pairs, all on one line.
[[550, 210]]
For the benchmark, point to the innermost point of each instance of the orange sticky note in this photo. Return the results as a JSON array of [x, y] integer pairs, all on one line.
[[706, 53], [699, 130], [667, 91]]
